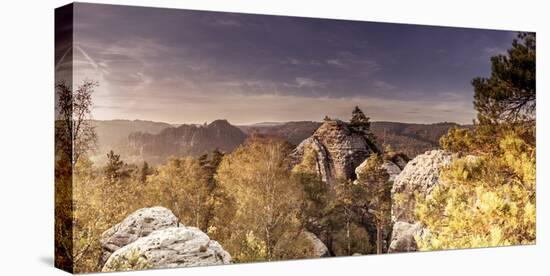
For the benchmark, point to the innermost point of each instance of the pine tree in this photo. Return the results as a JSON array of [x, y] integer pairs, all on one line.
[[144, 171], [359, 121], [113, 170], [509, 94]]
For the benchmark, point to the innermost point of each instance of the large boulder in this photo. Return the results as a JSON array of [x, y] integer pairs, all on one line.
[[167, 248], [319, 248], [418, 178], [403, 234], [392, 169], [340, 149], [138, 224]]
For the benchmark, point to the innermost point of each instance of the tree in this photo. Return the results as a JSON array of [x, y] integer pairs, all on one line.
[[181, 185], [75, 133], [219, 206], [316, 197], [488, 199], [346, 194], [257, 176], [509, 94], [74, 137], [505, 102], [483, 201], [375, 179], [102, 197], [359, 121], [144, 171], [113, 170]]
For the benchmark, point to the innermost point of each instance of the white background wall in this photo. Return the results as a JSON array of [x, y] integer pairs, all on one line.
[[26, 134]]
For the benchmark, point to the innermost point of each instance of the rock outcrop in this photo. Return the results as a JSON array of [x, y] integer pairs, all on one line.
[[340, 149], [185, 140], [403, 234], [154, 238], [138, 224], [393, 169], [319, 248], [418, 177], [167, 248]]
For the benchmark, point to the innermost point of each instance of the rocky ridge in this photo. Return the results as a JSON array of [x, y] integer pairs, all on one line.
[[185, 140]]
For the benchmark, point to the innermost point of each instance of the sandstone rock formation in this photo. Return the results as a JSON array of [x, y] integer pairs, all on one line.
[[167, 248], [392, 169], [138, 224], [185, 140], [154, 238], [319, 248], [340, 149], [419, 176], [403, 234]]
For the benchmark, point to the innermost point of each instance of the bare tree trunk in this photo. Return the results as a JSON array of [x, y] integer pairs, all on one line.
[[348, 237], [378, 238]]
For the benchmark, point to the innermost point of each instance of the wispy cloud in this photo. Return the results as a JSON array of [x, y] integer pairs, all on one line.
[[336, 62], [182, 66], [307, 82]]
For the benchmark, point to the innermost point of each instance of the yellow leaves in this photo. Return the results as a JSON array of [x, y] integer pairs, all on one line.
[[253, 249], [257, 176], [489, 202], [496, 236], [486, 201]]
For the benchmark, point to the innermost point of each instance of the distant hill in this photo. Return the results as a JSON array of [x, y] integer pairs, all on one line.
[[155, 141], [411, 139], [293, 132], [184, 140], [113, 134]]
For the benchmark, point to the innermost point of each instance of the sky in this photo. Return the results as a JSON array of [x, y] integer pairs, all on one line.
[[182, 66]]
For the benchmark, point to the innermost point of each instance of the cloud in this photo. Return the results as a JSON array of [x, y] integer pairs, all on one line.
[[336, 62], [307, 82], [383, 85], [238, 109]]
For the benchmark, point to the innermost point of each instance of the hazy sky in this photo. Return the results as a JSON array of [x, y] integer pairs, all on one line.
[[184, 66]]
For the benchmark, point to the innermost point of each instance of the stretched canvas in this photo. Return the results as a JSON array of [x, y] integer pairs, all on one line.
[[194, 138]]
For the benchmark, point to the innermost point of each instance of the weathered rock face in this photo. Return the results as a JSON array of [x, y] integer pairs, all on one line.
[[392, 169], [324, 166], [340, 149], [319, 248], [403, 237], [400, 159], [185, 140], [171, 247], [154, 238], [138, 224], [419, 176]]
